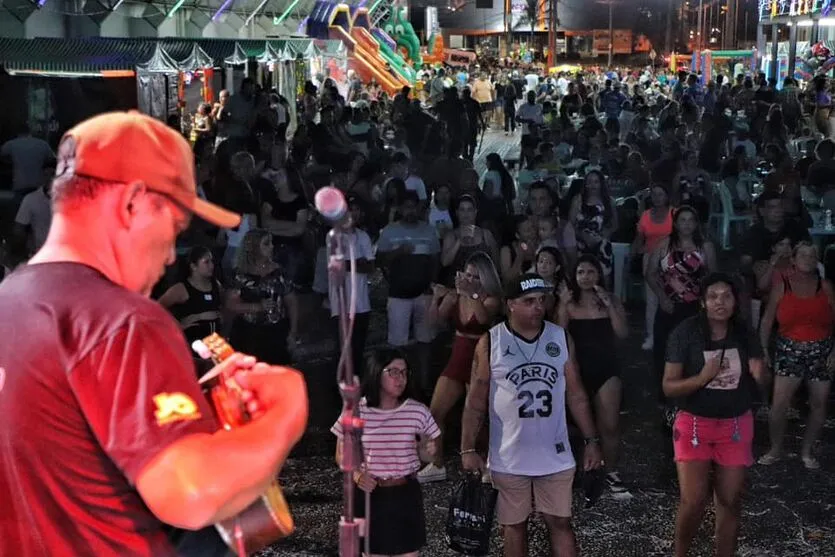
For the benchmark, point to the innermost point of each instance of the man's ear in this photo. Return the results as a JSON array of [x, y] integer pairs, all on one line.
[[127, 202]]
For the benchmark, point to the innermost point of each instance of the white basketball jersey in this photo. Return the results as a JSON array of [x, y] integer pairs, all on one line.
[[528, 433]]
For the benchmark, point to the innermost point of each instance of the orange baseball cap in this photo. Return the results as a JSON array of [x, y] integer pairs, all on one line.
[[126, 147]]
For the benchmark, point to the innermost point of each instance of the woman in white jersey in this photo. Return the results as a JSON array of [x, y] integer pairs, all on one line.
[[393, 422]]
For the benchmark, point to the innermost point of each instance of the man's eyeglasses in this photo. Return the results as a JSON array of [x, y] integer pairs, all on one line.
[[397, 372]]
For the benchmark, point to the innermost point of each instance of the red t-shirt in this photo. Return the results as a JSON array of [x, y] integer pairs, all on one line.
[[98, 381]]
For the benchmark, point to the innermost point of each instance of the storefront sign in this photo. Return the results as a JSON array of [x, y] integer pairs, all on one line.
[[769, 9], [622, 40], [459, 57]]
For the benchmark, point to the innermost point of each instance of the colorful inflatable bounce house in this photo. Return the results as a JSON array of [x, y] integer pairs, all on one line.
[[711, 62], [372, 53], [435, 53]]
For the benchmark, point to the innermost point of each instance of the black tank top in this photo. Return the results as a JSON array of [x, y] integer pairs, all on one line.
[[199, 302]]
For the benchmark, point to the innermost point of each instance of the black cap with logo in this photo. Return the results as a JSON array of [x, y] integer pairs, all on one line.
[[529, 283]]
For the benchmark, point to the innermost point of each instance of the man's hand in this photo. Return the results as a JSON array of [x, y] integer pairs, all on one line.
[[472, 462], [592, 457], [266, 387]]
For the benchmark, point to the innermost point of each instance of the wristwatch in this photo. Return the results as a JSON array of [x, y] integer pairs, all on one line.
[[591, 440]]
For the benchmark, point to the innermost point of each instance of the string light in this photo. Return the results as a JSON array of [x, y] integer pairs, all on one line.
[[221, 9]]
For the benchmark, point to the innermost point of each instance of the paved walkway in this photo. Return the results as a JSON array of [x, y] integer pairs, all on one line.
[[495, 141]]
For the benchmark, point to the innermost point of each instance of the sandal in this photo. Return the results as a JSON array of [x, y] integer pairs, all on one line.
[[768, 459], [811, 463]]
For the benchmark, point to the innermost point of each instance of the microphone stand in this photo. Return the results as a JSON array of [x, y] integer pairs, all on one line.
[[339, 245]]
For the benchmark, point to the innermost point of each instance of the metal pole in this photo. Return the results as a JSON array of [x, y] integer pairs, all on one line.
[[701, 26], [792, 49], [735, 30], [668, 38], [745, 32], [772, 66], [611, 34]]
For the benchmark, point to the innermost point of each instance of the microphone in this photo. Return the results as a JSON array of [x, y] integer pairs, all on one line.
[[331, 204]]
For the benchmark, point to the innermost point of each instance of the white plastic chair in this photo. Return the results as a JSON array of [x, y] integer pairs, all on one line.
[[723, 216], [620, 257]]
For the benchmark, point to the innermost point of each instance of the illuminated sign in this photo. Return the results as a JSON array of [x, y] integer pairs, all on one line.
[[769, 9]]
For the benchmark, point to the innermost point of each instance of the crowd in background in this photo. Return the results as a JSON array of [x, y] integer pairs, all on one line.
[[677, 170]]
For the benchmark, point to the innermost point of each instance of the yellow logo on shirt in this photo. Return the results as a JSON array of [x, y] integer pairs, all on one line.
[[174, 407]]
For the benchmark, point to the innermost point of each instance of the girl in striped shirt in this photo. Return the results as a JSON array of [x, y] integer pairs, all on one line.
[[397, 429]]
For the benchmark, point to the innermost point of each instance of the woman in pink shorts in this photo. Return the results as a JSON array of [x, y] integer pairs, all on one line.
[[712, 362]]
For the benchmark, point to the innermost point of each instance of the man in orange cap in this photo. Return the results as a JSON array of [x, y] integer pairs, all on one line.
[[107, 440]]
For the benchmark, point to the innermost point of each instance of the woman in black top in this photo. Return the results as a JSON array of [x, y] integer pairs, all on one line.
[[196, 300], [595, 319], [262, 300], [712, 362], [284, 212]]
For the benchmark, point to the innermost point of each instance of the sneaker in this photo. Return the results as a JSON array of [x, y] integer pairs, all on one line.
[[431, 473], [647, 345], [616, 486], [768, 459], [811, 463]]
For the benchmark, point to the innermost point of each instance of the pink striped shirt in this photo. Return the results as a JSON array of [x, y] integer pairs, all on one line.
[[390, 437]]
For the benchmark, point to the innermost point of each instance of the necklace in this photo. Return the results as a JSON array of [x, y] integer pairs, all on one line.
[[515, 335]]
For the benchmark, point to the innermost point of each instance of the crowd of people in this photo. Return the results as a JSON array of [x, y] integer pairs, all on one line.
[[514, 266]]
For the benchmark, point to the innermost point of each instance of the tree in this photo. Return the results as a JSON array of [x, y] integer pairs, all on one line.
[[530, 16]]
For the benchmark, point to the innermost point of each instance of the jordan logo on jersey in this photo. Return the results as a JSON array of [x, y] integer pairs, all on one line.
[[534, 384]]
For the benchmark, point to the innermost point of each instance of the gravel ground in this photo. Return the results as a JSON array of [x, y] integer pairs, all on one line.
[[788, 511]]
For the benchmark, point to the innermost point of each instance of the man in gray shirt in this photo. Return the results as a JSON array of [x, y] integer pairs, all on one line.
[[409, 253]]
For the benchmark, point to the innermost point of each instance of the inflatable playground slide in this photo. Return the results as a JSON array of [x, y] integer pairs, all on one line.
[[370, 57]]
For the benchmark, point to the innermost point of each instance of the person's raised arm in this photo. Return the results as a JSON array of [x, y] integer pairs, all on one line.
[[451, 245], [675, 384], [203, 479], [139, 395]]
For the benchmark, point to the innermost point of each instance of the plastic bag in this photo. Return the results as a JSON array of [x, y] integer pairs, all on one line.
[[470, 518]]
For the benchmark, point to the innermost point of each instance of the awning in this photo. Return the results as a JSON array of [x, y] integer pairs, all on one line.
[[160, 62], [74, 56], [302, 47], [188, 54], [269, 56], [238, 56]]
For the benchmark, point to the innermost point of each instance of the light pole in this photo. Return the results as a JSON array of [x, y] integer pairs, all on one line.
[[553, 25], [700, 27], [668, 38], [611, 4]]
